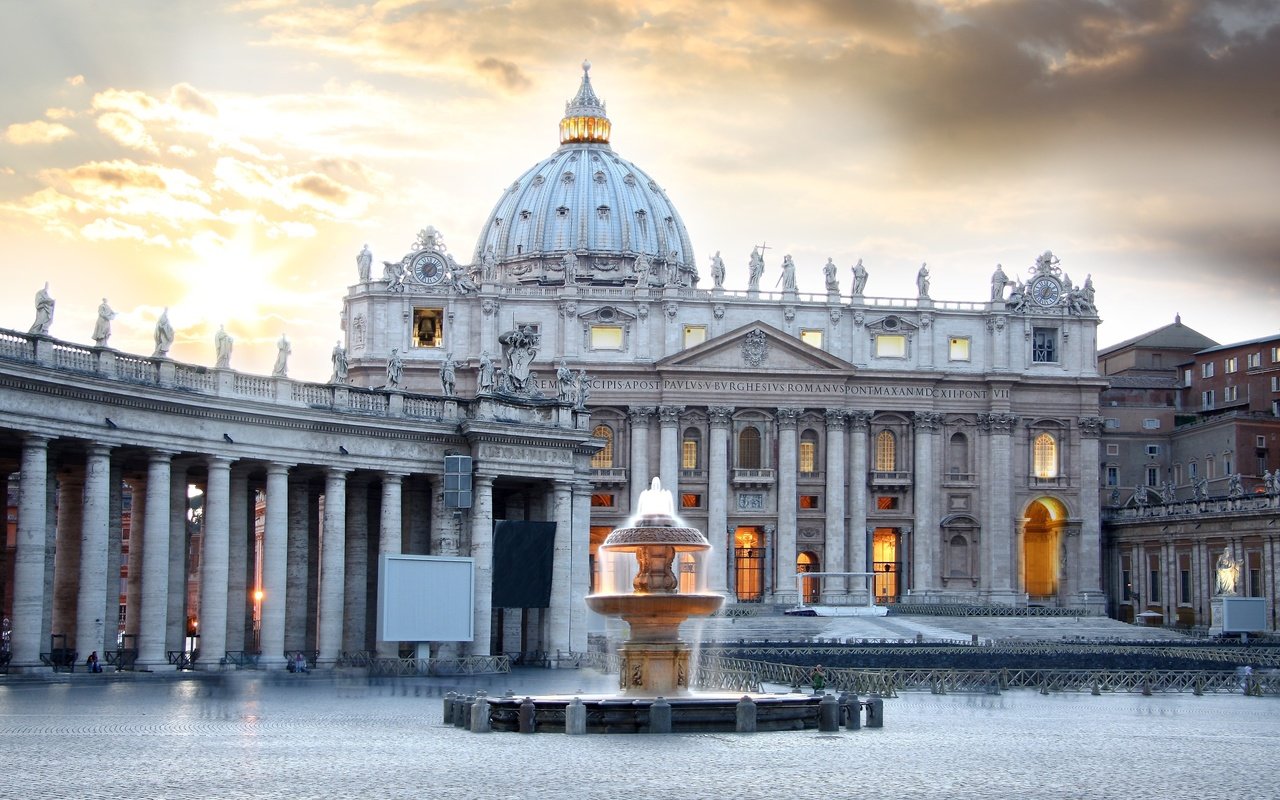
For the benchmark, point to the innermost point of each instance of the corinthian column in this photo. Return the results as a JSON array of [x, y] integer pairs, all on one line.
[[332, 566], [836, 481], [785, 582], [275, 568], [669, 448], [860, 422], [215, 563], [640, 472], [925, 488], [1090, 539], [1000, 533], [155, 562], [718, 499], [29, 558]]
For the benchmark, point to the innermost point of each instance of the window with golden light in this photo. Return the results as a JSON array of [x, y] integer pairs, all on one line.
[[808, 452], [1045, 456], [749, 448], [886, 451], [603, 459], [689, 447]]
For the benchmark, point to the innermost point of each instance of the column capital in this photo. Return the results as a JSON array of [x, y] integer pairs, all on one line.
[[278, 468], [835, 418], [336, 472], [720, 415], [157, 456], [98, 449], [36, 440], [927, 421], [640, 415], [1091, 427], [215, 461], [486, 480], [670, 415], [787, 417], [997, 423], [859, 420]]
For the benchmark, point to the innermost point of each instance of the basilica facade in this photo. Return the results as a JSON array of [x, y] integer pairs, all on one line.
[[935, 450]]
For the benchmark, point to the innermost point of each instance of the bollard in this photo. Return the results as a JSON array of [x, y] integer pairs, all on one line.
[[527, 715], [1198, 689], [575, 717], [463, 720], [974, 640], [1097, 690], [660, 716], [480, 715], [746, 715], [853, 713], [828, 714], [875, 712], [1146, 689], [448, 707]]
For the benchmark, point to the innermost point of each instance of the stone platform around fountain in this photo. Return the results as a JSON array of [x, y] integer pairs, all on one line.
[[700, 713]]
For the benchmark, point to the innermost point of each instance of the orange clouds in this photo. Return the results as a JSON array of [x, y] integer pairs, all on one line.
[[37, 132]]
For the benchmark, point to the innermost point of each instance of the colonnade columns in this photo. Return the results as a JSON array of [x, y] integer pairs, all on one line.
[[333, 552], [639, 417], [275, 573], [95, 527], [580, 564], [925, 485], [836, 480], [298, 573], [669, 448], [1001, 531], [115, 530], [154, 595], [137, 531], [215, 563], [66, 556], [482, 552], [787, 466], [718, 499], [30, 555], [238, 564], [558, 633], [355, 606], [389, 538], [175, 628], [1090, 593], [860, 422]]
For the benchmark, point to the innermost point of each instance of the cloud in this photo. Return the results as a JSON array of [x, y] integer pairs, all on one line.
[[127, 131], [37, 132], [186, 97], [75, 80], [110, 229], [507, 73]]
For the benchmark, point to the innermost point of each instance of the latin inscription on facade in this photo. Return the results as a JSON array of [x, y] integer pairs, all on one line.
[[507, 452], [791, 387]]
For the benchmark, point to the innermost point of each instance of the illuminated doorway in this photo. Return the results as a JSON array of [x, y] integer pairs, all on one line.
[[885, 564], [748, 564], [598, 534], [811, 587], [1041, 551]]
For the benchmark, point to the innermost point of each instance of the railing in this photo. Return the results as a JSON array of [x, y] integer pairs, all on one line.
[[466, 665], [122, 658], [423, 407], [1213, 505], [62, 659], [1035, 482], [369, 402], [908, 606], [312, 394], [880, 478], [753, 476], [183, 659], [137, 369], [17, 346], [693, 474], [241, 659], [70, 356], [252, 386], [609, 475], [199, 378]]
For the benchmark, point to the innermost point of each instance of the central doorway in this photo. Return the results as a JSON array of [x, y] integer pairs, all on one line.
[[748, 564], [885, 564]]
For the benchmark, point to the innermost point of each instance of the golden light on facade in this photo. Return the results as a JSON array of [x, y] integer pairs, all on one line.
[[584, 129]]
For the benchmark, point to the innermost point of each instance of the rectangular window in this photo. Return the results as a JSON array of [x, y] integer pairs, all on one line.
[[690, 500], [1113, 476], [1260, 441], [689, 454], [1153, 449], [811, 337], [959, 348], [1255, 360], [1206, 400], [1230, 393], [1184, 586], [1126, 579], [602, 500], [1206, 369], [694, 335], [1186, 377], [809, 502], [891, 345], [1275, 355], [808, 457], [1275, 383], [1253, 562], [1044, 345], [886, 503], [1153, 476], [1230, 365], [1113, 449], [1151, 424], [428, 327], [606, 337], [1111, 422], [1153, 576], [1192, 469]]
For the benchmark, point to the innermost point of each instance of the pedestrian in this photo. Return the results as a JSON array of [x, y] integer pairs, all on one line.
[[818, 679], [299, 662], [92, 662]]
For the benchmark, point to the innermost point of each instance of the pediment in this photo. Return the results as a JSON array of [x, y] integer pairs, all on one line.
[[756, 346], [607, 314]]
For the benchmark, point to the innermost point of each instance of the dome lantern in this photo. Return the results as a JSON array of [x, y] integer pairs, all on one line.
[[584, 116]]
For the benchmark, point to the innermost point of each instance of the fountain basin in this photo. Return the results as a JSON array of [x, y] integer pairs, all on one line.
[[701, 713], [655, 617]]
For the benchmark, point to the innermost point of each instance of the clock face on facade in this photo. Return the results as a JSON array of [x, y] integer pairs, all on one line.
[[428, 267], [1046, 290]]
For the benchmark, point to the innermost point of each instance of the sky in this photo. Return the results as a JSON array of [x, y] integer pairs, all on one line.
[[227, 161]]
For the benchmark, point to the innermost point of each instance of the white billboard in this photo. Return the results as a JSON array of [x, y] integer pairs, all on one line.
[[425, 598]]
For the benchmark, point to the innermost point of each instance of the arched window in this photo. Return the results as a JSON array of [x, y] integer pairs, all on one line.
[[958, 454], [749, 448], [958, 557], [690, 449], [603, 459], [809, 452], [886, 451], [1044, 452]]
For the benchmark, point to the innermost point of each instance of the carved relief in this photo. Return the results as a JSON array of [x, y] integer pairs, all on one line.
[[835, 418], [670, 415], [359, 332], [672, 309], [750, 501], [720, 415], [718, 310], [1091, 427], [755, 348], [640, 415], [787, 417], [859, 420], [927, 420]]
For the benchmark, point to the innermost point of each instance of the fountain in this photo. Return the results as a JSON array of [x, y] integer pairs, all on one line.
[[653, 576]]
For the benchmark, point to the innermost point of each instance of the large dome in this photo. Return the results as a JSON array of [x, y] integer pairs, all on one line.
[[586, 215]]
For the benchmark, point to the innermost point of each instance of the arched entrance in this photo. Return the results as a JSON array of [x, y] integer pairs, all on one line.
[[810, 587], [1043, 523], [885, 564], [748, 564]]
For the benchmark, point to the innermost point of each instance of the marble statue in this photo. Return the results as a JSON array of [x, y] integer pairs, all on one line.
[[859, 279], [1088, 292], [1140, 496], [717, 270], [448, 375], [1227, 571], [1268, 483], [102, 328], [755, 270], [829, 272], [569, 263], [340, 366], [1017, 300], [520, 347], [922, 280], [998, 281], [164, 335], [488, 266], [461, 281], [1235, 488], [429, 239], [566, 391], [485, 376], [582, 389], [281, 369], [641, 269], [1201, 488], [788, 279], [222, 343], [395, 369], [44, 312], [391, 271], [364, 264], [1166, 493]]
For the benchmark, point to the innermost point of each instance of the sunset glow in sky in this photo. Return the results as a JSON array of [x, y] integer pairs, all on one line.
[[228, 160]]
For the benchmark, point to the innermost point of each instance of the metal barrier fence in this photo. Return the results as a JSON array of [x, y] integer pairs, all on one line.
[[405, 667], [1229, 655]]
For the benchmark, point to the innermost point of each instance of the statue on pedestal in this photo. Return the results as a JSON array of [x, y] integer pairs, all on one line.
[[281, 369], [998, 281], [755, 269], [717, 270], [448, 375], [485, 379], [164, 336], [339, 358], [829, 272], [102, 328], [583, 390], [44, 312], [1235, 487], [395, 369], [788, 279], [222, 343], [488, 266], [922, 281], [859, 279], [364, 264], [1227, 571], [565, 389]]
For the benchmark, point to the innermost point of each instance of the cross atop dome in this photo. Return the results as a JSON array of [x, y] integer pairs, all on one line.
[[584, 116]]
